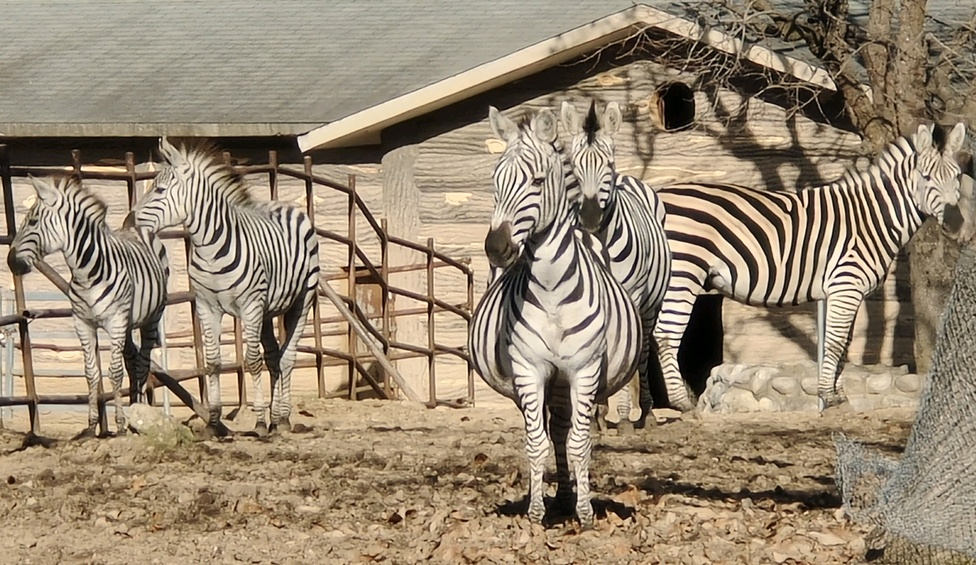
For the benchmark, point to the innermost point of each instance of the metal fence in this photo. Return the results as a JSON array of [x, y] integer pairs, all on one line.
[[334, 315]]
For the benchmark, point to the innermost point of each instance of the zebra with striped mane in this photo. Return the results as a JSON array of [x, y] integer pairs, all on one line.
[[253, 260], [118, 283], [554, 332], [833, 242], [628, 218]]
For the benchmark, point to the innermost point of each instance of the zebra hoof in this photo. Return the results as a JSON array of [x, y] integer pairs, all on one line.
[[829, 400], [283, 425], [215, 429], [85, 434], [646, 422], [260, 430]]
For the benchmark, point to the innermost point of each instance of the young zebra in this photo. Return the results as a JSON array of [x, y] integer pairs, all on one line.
[[554, 332], [250, 259], [118, 283], [628, 218], [833, 242]]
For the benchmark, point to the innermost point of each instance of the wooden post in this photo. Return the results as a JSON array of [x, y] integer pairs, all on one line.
[[27, 357], [470, 282], [431, 354], [386, 329], [316, 312], [351, 285]]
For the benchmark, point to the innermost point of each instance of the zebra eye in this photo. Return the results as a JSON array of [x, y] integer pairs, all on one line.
[[32, 222], [160, 189], [538, 181]]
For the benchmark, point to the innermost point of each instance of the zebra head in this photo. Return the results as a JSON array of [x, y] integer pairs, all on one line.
[[592, 155], [166, 203], [529, 185], [938, 173], [53, 222]]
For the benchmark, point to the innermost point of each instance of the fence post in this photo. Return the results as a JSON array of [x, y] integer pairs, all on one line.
[[19, 300], [470, 280], [431, 377], [351, 286], [386, 330], [316, 312]]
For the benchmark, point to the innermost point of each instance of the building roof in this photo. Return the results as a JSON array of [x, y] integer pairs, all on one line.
[[242, 68]]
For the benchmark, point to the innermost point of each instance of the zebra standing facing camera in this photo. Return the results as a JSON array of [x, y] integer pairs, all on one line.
[[555, 332]]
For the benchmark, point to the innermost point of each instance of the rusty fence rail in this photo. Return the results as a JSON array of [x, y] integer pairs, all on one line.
[[359, 266]]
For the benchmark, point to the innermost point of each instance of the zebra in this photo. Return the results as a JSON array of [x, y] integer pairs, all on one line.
[[833, 242], [554, 332], [628, 218], [118, 283], [250, 259]]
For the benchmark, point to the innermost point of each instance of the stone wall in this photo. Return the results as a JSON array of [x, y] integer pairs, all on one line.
[[733, 388]]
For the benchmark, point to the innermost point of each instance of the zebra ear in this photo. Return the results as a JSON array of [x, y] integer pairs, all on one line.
[[923, 137], [45, 191], [570, 118], [545, 126], [167, 150], [955, 140], [612, 118], [504, 128]]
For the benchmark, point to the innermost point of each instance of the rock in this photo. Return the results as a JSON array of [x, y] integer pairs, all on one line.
[[784, 385], [878, 384], [769, 405], [760, 378], [809, 385], [911, 383], [157, 427], [738, 400]]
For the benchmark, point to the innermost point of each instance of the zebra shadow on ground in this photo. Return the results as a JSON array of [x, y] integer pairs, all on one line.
[[560, 512], [815, 498]]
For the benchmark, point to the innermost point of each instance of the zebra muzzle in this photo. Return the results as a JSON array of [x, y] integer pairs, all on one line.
[[17, 265], [590, 214], [499, 247]]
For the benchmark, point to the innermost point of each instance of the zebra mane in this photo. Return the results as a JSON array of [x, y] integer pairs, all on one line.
[[591, 124], [91, 206], [207, 158]]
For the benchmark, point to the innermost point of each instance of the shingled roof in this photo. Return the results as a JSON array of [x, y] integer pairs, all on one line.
[[244, 68]]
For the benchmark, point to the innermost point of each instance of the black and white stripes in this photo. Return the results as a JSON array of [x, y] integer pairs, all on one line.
[[250, 259], [832, 242], [628, 218], [554, 331], [118, 282]]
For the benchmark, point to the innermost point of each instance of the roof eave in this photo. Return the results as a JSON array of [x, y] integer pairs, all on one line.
[[368, 123], [22, 129]]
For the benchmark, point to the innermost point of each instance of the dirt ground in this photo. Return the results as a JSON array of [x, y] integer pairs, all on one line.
[[375, 481]]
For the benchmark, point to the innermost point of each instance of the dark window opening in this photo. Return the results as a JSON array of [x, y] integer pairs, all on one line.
[[675, 106]]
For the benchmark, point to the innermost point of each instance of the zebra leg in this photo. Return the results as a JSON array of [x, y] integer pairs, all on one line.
[[89, 345], [295, 320], [668, 333], [130, 355], [253, 324], [643, 381], [842, 307], [119, 333], [579, 444], [560, 421], [148, 339], [624, 399], [210, 317], [531, 390], [272, 360]]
